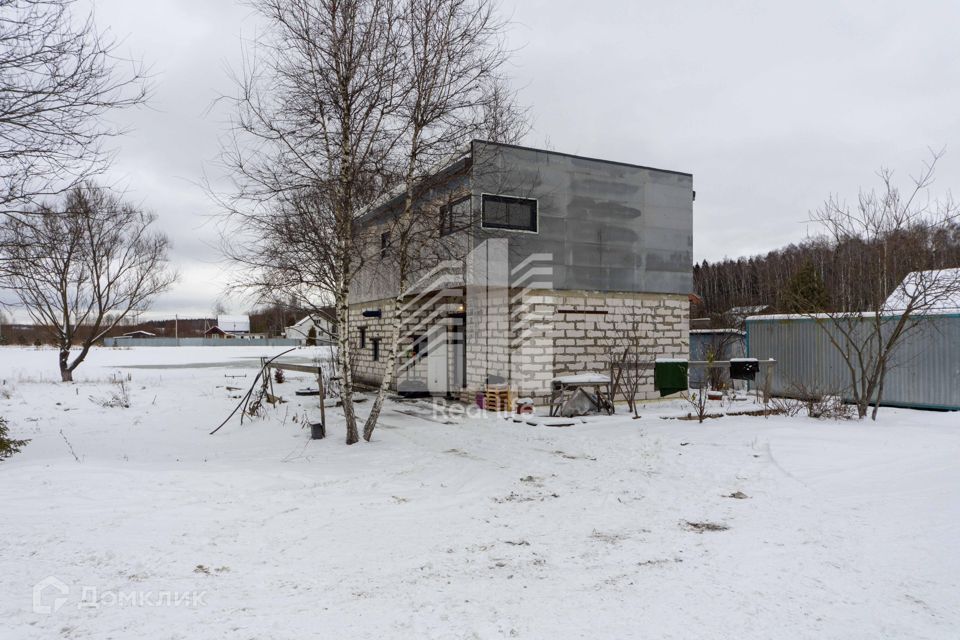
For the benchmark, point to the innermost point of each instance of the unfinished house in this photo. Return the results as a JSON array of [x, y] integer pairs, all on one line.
[[524, 265]]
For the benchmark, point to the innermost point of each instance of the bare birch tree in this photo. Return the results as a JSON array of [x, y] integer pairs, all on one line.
[[313, 134], [59, 77], [80, 269], [345, 105], [451, 93], [888, 283], [288, 251]]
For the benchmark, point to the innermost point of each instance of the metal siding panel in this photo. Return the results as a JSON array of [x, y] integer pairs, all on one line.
[[926, 373], [611, 227]]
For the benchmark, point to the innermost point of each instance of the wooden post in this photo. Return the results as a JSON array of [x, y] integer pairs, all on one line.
[[267, 373], [613, 385], [265, 382], [323, 397], [767, 375], [611, 409]]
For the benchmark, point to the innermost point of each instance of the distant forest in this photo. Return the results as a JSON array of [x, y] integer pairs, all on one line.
[[816, 274]]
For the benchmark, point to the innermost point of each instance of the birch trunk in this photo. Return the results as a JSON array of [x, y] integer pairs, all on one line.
[[396, 326], [345, 361], [402, 268], [391, 367]]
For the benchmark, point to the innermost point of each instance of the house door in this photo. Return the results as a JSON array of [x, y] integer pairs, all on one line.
[[456, 339], [437, 349]]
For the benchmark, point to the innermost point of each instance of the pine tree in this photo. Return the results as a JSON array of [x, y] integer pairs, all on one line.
[[805, 292], [312, 337], [8, 446]]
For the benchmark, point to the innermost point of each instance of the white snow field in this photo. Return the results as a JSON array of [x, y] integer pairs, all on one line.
[[135, 523]]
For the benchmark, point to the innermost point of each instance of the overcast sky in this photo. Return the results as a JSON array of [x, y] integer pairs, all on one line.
[[772, 106]]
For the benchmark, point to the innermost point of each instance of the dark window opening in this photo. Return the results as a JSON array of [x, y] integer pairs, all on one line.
[[363, 337], [418, 344], [376, 349], [586, 312], [384, 244], [454, 216], [508, 212]]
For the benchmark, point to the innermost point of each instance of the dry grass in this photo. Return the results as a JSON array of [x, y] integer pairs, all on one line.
[[702, 527]]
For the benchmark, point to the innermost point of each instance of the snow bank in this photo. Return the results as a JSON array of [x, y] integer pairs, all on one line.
[[480, 528]]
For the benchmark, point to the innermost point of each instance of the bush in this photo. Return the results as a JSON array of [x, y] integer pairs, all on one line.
[[8, 446], [816, 403], [119, 398]]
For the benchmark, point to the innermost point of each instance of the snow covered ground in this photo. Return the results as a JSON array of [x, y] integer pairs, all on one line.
[[137, 523]]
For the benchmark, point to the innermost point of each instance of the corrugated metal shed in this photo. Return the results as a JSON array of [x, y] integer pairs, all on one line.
[[723, 343], [925, 375]]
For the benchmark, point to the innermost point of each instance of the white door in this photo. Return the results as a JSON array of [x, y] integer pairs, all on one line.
[[437, 361]]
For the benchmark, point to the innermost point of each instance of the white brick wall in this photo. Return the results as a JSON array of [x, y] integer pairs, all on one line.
[[545, 343]]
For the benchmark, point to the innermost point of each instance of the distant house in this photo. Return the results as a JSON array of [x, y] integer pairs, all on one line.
[[233, 324], [322, 325], [139, 334], [216, 332], [940, 289], [232, 327]]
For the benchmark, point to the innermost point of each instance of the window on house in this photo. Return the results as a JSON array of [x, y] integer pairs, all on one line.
[[384, 244], [363, 337], [508, 212], [454, 216], [376, 349], [418, 345]]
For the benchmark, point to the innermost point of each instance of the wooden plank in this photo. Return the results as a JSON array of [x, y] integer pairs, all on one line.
[[323, 397], [692, 363], [301, 368]]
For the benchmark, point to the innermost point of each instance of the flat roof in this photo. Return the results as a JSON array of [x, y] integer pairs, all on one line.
[[854, 315], [383, 203], [579, 157], [712, 331]]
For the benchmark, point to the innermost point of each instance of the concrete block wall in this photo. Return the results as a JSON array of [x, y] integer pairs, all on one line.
[[530, 337], [555, 333], [430, 314], [365, 369]]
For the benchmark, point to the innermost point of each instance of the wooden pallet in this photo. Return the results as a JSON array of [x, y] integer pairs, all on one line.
[[497, 398]]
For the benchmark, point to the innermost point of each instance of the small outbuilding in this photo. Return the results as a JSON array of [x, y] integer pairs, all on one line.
[[715, 344], [234, 324], [139, 334], [924, 372], [321, 326], [216, 332]]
